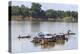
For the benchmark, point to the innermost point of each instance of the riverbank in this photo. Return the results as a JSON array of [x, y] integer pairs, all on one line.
[[65, 19]]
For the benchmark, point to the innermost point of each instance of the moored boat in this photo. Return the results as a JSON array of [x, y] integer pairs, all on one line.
[[28, 36]]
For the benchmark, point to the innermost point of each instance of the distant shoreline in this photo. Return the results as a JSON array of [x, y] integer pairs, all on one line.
[[65, 19]]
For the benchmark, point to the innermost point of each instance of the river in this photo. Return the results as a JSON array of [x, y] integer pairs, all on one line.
[[33, 28]]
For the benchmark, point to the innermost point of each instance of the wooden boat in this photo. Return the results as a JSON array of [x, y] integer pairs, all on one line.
[[28, 36], [48, 39], [51, 37], [70, 33]]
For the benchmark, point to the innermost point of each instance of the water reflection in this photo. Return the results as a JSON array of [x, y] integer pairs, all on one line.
[[35, 27], [50, 44]]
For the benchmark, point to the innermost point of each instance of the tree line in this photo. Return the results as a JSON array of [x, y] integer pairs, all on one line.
[[36, 12]]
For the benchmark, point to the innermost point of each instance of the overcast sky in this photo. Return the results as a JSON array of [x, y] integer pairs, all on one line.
[[45, 6]]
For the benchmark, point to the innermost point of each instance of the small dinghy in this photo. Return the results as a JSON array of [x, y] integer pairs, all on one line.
[[28, 36], [69, 33]]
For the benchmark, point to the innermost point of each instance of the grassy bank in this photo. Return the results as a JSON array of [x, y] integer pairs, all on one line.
[[65, 19]]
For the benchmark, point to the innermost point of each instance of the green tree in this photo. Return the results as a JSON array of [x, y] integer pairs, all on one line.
[[22, 10], [35, 9], [75, 16], [51, 13], [60, 14], [15, 10]]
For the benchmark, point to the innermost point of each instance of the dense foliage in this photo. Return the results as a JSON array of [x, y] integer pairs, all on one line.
[[36, 12]]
